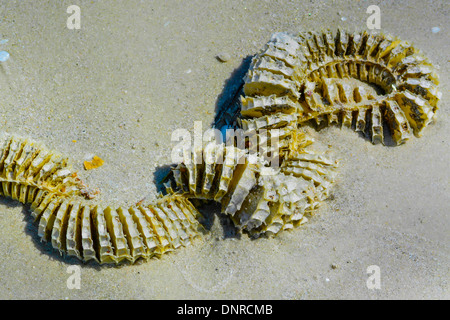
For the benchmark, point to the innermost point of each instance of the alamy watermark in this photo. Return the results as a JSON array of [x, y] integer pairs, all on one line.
[[374, 280], [74, 280], [74, 20], [197, 148], [374, 20]]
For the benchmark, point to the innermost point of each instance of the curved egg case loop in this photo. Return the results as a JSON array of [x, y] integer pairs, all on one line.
[[260, 198], [26, 167], [362, 80], [44, 179]]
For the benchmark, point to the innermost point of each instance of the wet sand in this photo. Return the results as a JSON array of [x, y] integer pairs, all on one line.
[[136, 71]]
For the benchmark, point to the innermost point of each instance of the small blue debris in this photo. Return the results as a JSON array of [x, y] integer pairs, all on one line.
[[3, 41], [4, 56], [435, 29], [223, 130]]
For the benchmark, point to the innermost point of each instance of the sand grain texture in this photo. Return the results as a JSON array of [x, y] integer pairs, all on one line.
[[135, 72]]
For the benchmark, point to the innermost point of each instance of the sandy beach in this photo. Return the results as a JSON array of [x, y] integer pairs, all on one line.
[[138, 70]]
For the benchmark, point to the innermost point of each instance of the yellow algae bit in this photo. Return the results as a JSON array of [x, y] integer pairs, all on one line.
[[95, 163]]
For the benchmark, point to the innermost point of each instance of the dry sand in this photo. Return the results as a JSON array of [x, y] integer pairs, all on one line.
[[137, 70]]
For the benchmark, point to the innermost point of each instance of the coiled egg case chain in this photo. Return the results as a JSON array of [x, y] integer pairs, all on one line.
[[347, 78], [258, 197], [269, 181], [32, 174]]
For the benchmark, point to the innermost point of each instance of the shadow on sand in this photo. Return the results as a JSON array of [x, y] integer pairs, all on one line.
[[227, 109]]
